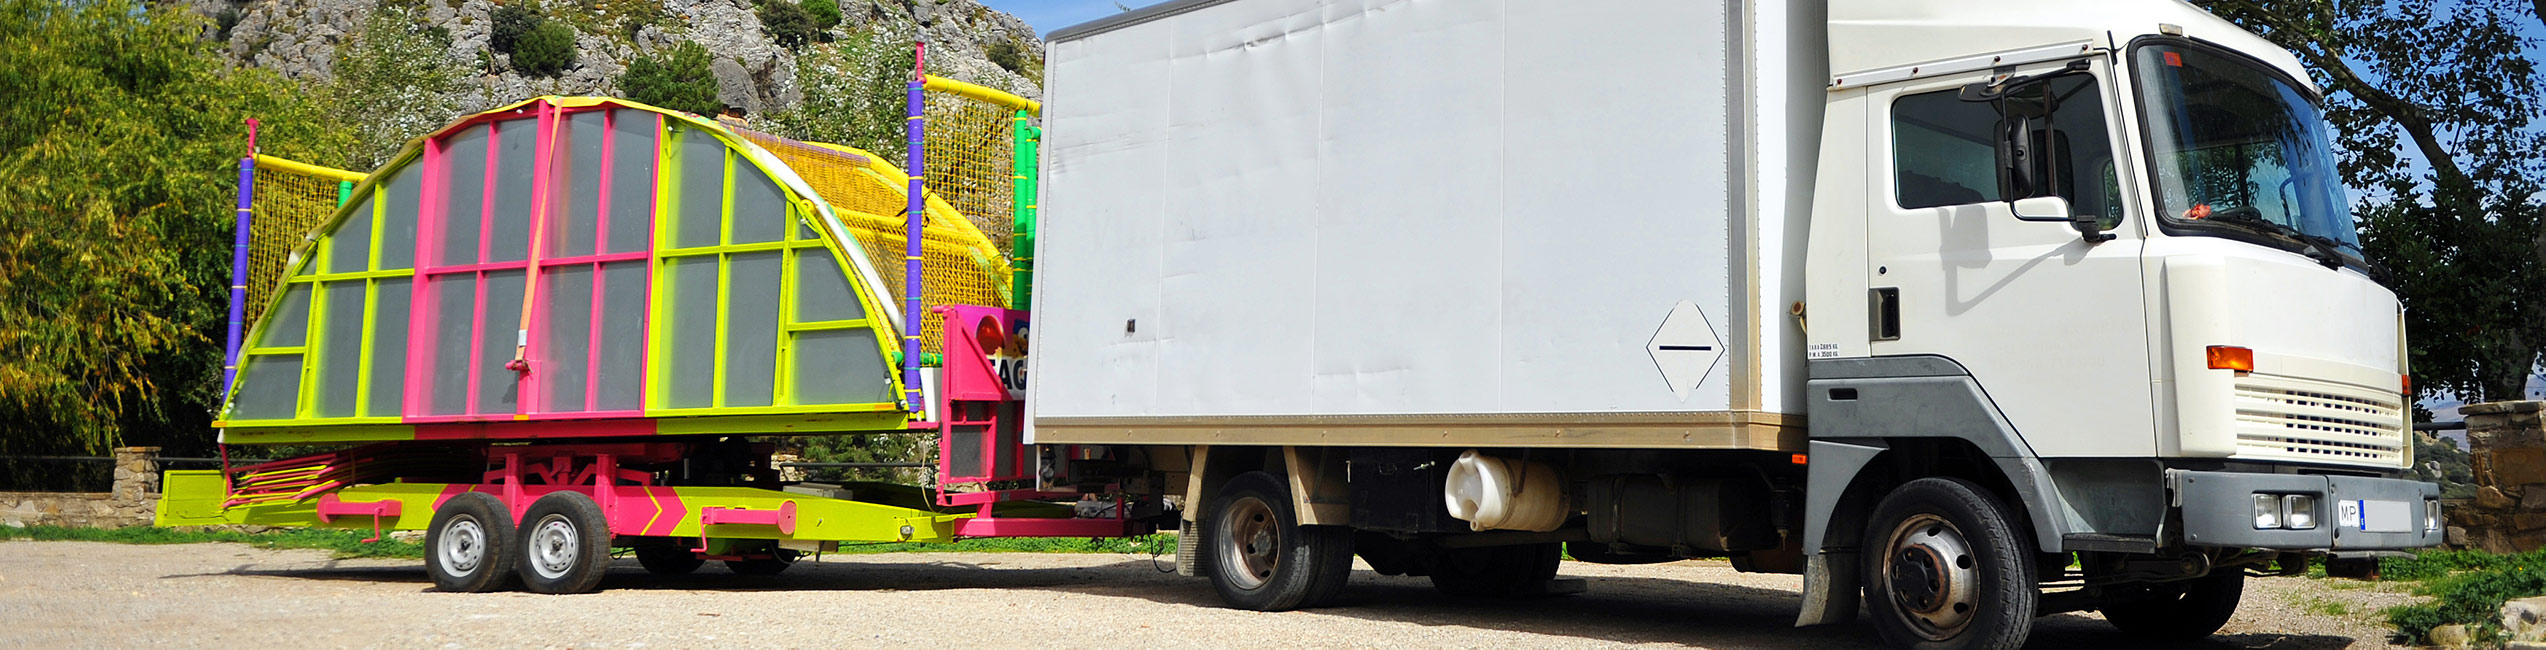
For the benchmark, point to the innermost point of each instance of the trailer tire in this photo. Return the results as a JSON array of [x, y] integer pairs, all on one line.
[[1946, 567], [777, 562], [2184, 610], [469, 546], [565, 544], [1261, 558], [669, 559], [1496, 571]]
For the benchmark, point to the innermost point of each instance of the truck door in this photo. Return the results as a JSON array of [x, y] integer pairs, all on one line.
[[2053, 326]]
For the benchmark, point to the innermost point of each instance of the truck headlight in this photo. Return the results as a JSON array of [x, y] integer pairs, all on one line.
[[2298, 511], [2267, 511]]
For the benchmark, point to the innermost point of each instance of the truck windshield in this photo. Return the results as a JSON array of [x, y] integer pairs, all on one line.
[[2238, 149]]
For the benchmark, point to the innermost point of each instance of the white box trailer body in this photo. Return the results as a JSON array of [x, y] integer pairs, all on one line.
[[1570, 223]]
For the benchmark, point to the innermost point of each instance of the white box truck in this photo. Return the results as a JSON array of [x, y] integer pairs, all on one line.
[[1982, 309]]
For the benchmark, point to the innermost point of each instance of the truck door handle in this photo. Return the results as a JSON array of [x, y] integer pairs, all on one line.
[[1887, 313]]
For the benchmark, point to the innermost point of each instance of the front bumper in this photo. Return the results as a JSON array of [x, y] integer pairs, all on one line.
[[2218, 510]]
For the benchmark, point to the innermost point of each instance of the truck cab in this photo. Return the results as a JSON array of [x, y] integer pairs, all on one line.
[[2104, 251]]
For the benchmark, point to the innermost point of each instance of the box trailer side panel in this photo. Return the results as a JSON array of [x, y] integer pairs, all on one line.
[[1348, 212]]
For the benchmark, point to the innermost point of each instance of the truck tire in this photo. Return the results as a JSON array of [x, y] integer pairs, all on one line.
[[2183, 610], [1258, 555], [1496, 571], [668, 559], [1947, 567], [565, 544], [469, 546]]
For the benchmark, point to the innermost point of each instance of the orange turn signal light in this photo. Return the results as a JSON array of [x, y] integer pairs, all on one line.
[[1801, 459], [2229, 357]]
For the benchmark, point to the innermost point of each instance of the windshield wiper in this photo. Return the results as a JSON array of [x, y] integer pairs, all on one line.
[[2326, 251]]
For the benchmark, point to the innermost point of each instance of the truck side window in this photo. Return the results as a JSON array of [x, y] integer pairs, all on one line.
[[1944, 150]]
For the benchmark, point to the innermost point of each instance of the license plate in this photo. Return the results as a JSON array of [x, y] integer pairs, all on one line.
[[2375, 516]]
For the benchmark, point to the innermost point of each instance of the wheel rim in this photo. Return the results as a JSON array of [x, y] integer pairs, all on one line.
[[1931, 576], [1253, 548], [554, 545], [463, 545]]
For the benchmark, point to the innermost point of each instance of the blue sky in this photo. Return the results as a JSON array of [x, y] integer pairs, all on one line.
[[1048, 15]]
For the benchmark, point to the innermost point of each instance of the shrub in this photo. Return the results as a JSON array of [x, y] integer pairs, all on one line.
[[512, 22], [787, 23], [1007, 55], [826, 13], [678, 80], [2472, 597], [546, 50]]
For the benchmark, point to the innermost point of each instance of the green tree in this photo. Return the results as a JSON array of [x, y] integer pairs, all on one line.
[[2462, 237], [853, 94], [393, 81], [825, 13], [678, 80], [511, 21], [546, 50], [787, 23], [121, 135]]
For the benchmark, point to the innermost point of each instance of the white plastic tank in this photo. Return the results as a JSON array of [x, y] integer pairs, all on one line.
[[1501, 494]]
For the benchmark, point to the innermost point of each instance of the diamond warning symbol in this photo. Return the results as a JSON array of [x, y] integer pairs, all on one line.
[[1686, 348]]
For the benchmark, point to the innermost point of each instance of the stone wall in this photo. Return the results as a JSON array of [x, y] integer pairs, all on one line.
[[2507, 451], [133, 496]]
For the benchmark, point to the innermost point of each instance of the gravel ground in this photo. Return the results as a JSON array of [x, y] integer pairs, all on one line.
[[81, 594]]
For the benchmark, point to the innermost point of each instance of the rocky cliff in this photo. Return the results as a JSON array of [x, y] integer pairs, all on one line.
[[302, 39]]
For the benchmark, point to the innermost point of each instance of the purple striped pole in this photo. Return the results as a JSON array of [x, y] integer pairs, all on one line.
[[914, 219], [239, 264]]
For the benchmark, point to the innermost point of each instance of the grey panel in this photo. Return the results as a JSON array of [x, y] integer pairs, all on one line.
[[389, 347], [1880, 367], [633, 135], [621, 383], [760, 210], [398, 222], [822, 290], [454, 301], [349, 248], [2110, 497], [751, 329], [508, 234], [340, 350], [1899, 401], [269, 387], [497, 388], [964, 452], [463, 196], [566, 346], [702, 180], [691, 374], [288, 325], [577, 159], [838, 367], [1834, 466]]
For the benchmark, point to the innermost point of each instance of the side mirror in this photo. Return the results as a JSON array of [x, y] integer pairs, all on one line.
[[2053, 208], [2015, 155]]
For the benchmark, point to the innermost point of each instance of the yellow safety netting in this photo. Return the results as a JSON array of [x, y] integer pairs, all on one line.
[[289, 201]]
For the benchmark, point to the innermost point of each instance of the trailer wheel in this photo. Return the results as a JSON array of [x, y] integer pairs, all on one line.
[[565, 544], [777, 562], [668, 560], [469, 546], [1260, 558], [1496, 571], [2175, 611], [1945, 567]]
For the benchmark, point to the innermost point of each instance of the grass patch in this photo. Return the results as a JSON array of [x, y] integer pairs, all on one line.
[[343, 543], [2325, 607], [349, 544], [2466, 588]]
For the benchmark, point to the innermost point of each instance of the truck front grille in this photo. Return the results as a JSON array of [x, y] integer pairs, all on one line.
[[2281, 418]]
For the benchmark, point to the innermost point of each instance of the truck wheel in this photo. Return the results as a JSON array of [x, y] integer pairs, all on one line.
[[777, 562], [565, 544], [668, 560], [1496, 571], [469, 546], [1946, 567], [2183, 610], [1259, 556]]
